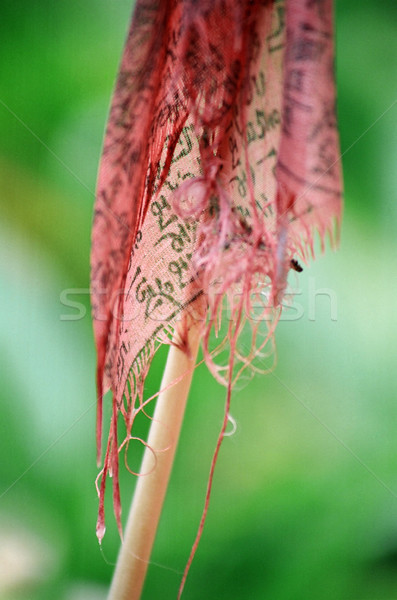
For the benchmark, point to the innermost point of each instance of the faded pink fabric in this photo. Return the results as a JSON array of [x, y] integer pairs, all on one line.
[[221, 159]]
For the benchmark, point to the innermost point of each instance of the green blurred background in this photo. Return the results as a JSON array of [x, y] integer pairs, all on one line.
[[304, 503]]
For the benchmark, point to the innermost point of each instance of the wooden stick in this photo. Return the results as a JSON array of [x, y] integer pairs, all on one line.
[[133, 559]]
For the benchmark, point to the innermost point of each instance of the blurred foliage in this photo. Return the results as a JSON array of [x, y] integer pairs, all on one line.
[[304, 500]]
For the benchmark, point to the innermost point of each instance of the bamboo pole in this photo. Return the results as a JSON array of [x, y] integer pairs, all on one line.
[[134, 555]]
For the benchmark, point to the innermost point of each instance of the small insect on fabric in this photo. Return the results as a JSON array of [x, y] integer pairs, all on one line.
[[296, 266]]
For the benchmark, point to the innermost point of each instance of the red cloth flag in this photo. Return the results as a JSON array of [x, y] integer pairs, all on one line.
[[221, 159]]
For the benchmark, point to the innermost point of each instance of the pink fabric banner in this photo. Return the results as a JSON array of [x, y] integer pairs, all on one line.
[[221, 159]]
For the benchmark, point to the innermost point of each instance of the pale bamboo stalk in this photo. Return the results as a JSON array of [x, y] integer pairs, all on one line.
[[134, 556]]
